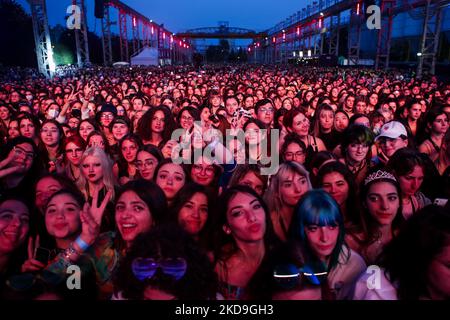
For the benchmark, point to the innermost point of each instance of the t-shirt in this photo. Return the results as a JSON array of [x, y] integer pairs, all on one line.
[[367, 288], [343, 276]]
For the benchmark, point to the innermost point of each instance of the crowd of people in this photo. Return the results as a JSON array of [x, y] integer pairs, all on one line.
[[154, 182]]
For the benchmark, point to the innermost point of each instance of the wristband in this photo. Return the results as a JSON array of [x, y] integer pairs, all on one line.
[[83, 245]]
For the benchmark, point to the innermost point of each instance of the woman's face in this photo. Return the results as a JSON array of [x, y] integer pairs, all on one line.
[[382, 202], [92, 169], [14, 225], [252, 134], [186, 120], [119, 130], [106, 118], [85, 129], [24, 156], [45, 188], [27, 128], [438, 279], [13, 129], [335, 184], [340, 121], [73, 153], [158, 122], [205, 115], [440, 124], [50, 134], [194, 213], [62, 217], [357, 151], [410, 183], [132, 215], [251, 179], [292, 187], [246, 218], [129, 151], [146, 164], [4, 113], [203, 172], [168, 103], [171, 179], [322, 239], [326, 120], [294, 153], [300, 125]]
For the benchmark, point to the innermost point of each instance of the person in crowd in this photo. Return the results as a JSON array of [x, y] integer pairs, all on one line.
[[147, 159], [381, 216], [409, 168], [337, 180], [165, 264], [413, 265], [286, 188], [243, 239], [317, 229]]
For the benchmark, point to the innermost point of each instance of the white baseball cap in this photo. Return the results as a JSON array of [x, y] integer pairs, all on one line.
[[393, 130]]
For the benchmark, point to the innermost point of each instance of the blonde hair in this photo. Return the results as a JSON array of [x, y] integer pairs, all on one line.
[[109, 179], [273, 195]]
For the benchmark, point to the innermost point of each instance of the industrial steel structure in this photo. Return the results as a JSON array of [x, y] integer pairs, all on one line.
[[145, 32], [310, 32], [317, 26]]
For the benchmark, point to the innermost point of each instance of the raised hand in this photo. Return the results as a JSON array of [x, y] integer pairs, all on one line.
[[96, 210], [32, 265]]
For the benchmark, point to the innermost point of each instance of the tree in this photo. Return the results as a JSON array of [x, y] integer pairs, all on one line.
[[16, 37]]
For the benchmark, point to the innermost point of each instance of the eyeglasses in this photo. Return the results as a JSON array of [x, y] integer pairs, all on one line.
[[146, 163], [292, 155], [145, 268], [266, 110], [21, 152], [187, 118], [198, 169], [107, 116], [287, 276]]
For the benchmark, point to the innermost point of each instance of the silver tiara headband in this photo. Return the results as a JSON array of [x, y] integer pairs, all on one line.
[[380, 174]]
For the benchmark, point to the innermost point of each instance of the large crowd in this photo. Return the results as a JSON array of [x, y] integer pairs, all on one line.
[[225, 182]]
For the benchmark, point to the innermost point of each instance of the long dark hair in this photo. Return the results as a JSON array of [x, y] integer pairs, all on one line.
[[407, 258], [183, 196], [336, 166], [168, 241], [225, 245]]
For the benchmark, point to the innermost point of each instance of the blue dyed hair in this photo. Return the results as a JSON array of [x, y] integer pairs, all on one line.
[[317, 207]]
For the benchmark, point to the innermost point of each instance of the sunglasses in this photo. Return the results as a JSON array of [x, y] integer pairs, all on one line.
[[145, 268], [288, 276]]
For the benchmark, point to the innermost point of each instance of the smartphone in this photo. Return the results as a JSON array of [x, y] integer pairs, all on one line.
[[42, 255]]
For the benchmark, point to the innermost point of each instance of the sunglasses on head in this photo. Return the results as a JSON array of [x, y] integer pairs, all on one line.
[[288, 276], [145, 268]]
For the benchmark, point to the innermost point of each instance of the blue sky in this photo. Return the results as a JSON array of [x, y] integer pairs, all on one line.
[[178, 15]]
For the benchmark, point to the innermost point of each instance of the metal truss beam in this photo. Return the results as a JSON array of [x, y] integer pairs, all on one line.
[[430, 37], [333, 44], [106, 38], [123, 36], [354, 33], [44, 52], [384, 35], [81, 36]]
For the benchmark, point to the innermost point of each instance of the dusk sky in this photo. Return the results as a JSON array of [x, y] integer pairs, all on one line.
[[178, 15]]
